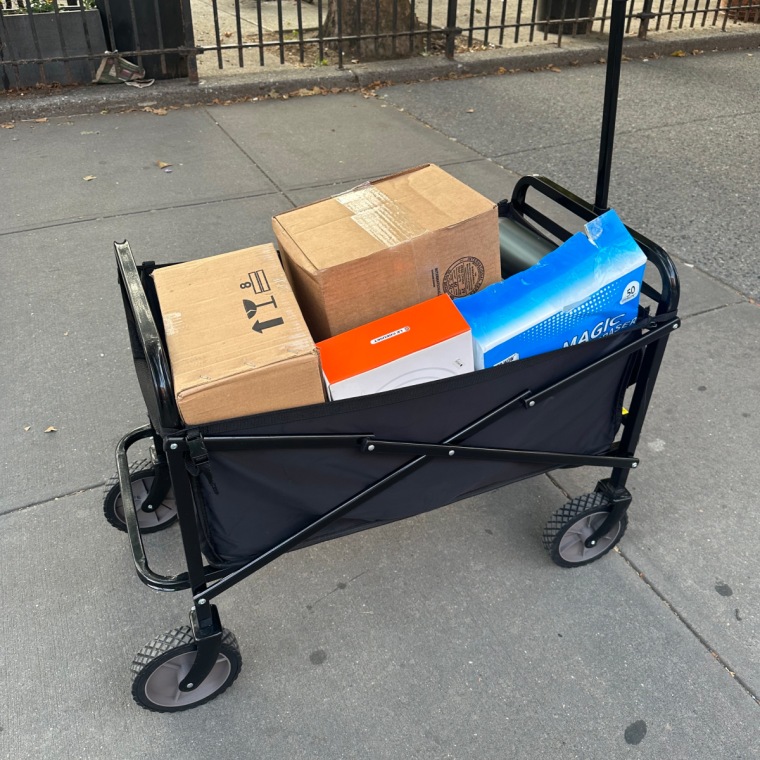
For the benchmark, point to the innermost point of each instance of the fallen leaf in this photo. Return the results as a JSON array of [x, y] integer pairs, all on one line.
[[7, 125], [555, 69], [51, 429], [27, 428], [470, 110], [162, 164], [89, 178], [40, 121], [157, 111], [678, 54], [697, 51]]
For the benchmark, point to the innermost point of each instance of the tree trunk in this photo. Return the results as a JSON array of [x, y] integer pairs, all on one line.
[[375, 17]]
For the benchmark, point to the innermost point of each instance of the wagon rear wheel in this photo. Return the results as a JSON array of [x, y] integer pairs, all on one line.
[[160, 666], [141, 475]]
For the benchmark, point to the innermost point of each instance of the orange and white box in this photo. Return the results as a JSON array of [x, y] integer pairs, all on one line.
[[429, 341]]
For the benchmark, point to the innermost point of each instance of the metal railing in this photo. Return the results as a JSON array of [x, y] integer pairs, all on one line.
[[67, 41]]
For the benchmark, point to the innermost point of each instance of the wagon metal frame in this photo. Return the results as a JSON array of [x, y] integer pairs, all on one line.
[[197, 473]]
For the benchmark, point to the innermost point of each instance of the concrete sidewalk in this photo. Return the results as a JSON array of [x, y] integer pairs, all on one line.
[[450, 635]]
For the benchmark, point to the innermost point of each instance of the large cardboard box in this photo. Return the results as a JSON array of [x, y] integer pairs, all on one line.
[[387, 245], [428, 341], [236, 339]]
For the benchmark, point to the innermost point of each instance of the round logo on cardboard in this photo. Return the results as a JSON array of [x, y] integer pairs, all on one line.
[[463, 277]]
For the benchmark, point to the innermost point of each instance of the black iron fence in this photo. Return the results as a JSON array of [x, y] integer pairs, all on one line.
[[51, 42]]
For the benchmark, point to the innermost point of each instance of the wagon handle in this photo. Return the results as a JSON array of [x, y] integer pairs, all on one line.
[[609, 112]]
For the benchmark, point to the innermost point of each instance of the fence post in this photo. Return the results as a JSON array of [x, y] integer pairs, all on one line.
[[644, 15], [192, 59], [451, 28]]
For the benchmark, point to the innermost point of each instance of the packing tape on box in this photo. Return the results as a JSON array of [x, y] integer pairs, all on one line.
[[380, 216]]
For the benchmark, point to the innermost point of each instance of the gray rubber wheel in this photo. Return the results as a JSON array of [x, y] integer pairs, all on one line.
[[159, 667], [568, 528], [141, 475]]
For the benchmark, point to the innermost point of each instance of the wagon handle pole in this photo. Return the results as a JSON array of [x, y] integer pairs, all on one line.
[[611, 87]]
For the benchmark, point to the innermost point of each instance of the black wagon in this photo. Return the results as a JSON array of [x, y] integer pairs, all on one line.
[[327, 470]]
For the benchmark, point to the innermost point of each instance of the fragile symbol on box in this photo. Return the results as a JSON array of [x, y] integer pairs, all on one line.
[[251, 309]]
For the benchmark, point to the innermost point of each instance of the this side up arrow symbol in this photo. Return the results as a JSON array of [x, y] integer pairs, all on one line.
[[261, 326]]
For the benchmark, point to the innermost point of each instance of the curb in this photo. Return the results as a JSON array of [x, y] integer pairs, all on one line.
[[76, 101]]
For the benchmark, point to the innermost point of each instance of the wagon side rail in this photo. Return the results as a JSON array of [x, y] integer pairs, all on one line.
[[147, 344]]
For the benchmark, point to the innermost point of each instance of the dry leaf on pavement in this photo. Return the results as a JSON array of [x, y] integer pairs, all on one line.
[[51, 429], [7, 125], [89, 178], [162, 164]]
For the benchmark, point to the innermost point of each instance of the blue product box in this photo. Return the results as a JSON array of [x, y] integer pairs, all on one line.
[[587, 288]]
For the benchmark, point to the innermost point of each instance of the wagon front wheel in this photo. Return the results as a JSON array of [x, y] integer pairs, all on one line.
[[160, 667], [141, 475], [568, 529]]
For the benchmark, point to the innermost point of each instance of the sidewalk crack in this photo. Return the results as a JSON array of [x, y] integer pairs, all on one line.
[[698, 636], [24, 507]]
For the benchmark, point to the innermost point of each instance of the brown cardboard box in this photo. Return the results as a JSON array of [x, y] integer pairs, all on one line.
[[387, 245], [236, 339]]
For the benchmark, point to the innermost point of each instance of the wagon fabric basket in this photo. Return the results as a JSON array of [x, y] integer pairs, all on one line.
[[314, 458]]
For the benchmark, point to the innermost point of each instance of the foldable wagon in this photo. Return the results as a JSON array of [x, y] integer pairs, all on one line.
[[247, 490]]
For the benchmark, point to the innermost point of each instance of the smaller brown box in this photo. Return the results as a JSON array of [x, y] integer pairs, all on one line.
[[236, 339], [387, 245]]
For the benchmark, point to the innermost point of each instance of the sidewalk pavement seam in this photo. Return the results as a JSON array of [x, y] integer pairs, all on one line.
[[280, 190], [682, 619], [642, 575], [24, 507], [716, 308], [135, 212], [559, 487], [622, 132]]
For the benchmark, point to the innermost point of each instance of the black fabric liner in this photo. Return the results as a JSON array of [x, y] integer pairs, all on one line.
[[266, 496]]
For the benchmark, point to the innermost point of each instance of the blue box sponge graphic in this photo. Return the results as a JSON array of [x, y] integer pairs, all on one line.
[[587, 288]]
